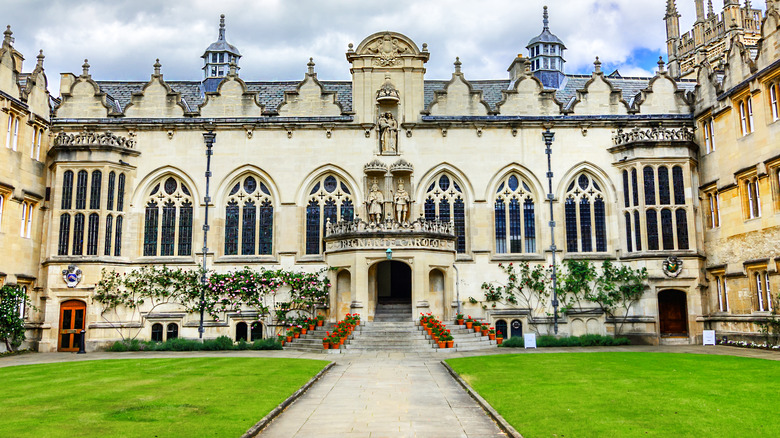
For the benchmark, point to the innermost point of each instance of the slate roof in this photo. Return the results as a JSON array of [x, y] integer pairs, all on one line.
[[271, 93]]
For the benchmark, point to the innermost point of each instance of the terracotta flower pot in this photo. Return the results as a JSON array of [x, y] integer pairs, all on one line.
[[297, 335], [282, 342], [289, 338], [311, 327], [319, 323], [303, 331], [460, 322], [484, 332], [469, 325], [499, 341], [492, 337], [441, 344], [450, 344]]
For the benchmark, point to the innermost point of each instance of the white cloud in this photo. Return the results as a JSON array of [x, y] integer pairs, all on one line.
[[276, 37]]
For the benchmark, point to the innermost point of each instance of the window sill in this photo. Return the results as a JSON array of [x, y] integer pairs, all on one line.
[[174, 260], [311, 258], [588, 256], [516, 257], [247, 259]]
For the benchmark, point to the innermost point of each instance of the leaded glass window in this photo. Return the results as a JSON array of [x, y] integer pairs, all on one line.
[[637, 231], [651, 220], [635, 187], [94, 195], [167, 219], [626, 193], [679, 185], [664, 197], [78, 234], [109, 229], [250, 201], [649, 176], [110, 194], [682, 228], [118, 238], [266, 228], [231, 228], [62, 247], [330, 199], [629, 233], [92, 234], [120, 193], [667, 229], [67, 189], [81, 190], [444, 201], [515, 226], [585, 216], [248, 225]]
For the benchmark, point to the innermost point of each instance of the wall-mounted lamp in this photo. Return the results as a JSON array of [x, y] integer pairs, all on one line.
[[389, 254]]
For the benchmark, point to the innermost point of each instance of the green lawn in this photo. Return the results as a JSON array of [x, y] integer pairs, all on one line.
[[629, 394], [198, 397]]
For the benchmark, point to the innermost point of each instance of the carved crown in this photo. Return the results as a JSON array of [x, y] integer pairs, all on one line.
[[375, 166], [401, 166]]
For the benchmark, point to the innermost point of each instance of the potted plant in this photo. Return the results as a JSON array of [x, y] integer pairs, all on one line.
[[312, 323], [492, 333], [484, 329], [320, 320], [449, 340], [469, 323], [281, 339], [459, 318], [326, 341], [290, 335], [477, 326], [499, 338]]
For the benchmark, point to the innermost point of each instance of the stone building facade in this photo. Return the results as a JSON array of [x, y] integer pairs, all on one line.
[[447, 176]]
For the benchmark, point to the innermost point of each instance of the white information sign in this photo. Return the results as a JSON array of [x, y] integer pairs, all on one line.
[[709, 337], [529, 339]]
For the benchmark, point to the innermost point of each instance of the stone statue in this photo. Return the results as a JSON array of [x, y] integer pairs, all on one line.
[[375, 203], [402, 201], [388, 132]]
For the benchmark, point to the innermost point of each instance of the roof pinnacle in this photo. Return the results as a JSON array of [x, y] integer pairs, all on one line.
[[597, 66], [661, 64], [221, 27], [710, 9], [157, 66], [85, 69], [545, 19], [40, 58], [457, 64], [310, 64], [7, 38]]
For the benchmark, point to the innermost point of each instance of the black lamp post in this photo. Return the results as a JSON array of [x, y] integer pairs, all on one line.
[[209, 138], [549, 136]]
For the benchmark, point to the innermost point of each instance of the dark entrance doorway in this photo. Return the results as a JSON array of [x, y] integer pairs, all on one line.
[[71, 324], [673, 313], [393, 282]]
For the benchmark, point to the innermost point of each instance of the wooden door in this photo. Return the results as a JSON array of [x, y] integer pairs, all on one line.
[[71, 324], [672, 313]]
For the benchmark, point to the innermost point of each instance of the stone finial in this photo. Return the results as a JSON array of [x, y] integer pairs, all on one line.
[[710, 9], [661, 64], [221, 27], [545, 19], [310, 64], [40, 58], [425, 47], [350, 47], [85, 69], [597, 66], [7, 38], [232, 68], [457, 65], [748, 6], [671, 9], [157, 66]]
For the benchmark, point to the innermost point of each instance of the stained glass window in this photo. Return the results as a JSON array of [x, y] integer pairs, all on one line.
[[67, 189], [231, 228], [78, 234], [679, 185], [585, 213], [120, 193], [664, 197], [109, 229], [651, 220], [649, 176], [94, 196], [110, 194], [682, 228], [667, 229], [629, 232], [62, 248], [444, 202], [118, 238], [150, 229], [329, 199], [248, 224], [81, 190], [92, 234]]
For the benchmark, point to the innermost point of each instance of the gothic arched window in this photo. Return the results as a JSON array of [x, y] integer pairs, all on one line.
[[249, 218], [649, 176], [168, 200], [92, 234], [109, 229], [94, 195], [585, 216], [81, 190], [444, 201], [514, 217], [110, 195], [664, 197], [679, 185], [67, 189], [118, 238], [62, 248], [329, 199]]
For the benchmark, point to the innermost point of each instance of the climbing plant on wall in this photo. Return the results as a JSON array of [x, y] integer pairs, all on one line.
[[12, 299]]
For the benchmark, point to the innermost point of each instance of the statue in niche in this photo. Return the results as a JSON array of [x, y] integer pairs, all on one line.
[[388, 133], [402, 201], [375, 203]]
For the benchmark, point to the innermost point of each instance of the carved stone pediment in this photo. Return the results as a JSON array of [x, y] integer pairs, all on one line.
[[401, 166], [387, 49]]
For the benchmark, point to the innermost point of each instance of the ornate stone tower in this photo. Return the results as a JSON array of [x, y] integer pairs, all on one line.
[[672, 19], [546, 53], [217, 59]]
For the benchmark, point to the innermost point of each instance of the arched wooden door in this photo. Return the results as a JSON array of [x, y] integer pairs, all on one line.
[[72, 314], [673, 313]]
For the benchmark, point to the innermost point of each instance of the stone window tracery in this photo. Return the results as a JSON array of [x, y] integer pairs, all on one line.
[[444, 201], [249, 218], [585, 216], [514, 214], [164, 235], [330, 199]]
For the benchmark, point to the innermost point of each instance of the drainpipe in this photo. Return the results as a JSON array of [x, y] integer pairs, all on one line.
[[457, 285]]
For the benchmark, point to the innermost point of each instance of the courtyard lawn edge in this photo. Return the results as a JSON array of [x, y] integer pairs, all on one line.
[[265, 421], [500, 421]]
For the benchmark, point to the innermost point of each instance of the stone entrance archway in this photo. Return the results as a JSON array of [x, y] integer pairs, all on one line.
[[393, 282], [672, 313]]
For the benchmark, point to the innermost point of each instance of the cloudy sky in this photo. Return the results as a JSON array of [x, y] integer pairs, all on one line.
[[122, 38]]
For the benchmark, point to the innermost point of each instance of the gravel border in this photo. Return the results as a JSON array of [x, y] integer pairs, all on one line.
[[503, 424], [260, 425]]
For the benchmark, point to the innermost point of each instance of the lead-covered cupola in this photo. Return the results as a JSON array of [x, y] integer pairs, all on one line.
[[218, 57], [546, 53]]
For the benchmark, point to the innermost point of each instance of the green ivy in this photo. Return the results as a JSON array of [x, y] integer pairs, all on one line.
[[11, 322]]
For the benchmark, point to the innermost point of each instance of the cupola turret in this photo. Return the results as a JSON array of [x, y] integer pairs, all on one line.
[[546, 53], [218, 56]]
